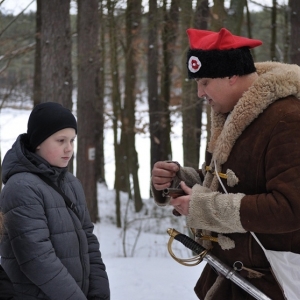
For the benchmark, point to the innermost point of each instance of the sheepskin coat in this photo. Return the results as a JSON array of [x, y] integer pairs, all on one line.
[[46, 250], [257, 147]]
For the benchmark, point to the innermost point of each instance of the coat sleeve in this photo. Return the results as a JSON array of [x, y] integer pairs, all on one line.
[[26, 226], [277, 210]]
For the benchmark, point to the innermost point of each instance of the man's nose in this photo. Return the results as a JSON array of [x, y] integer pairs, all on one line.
[[200, 92]]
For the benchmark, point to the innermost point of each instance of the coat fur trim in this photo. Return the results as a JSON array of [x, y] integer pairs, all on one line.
[[215, 211]]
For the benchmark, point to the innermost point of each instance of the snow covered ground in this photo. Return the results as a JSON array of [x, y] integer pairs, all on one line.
[[138, 263]]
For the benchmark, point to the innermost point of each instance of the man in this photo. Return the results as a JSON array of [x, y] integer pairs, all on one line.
[[251, 179]]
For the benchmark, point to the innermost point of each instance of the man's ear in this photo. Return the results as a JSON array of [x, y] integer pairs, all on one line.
[[232, 79]]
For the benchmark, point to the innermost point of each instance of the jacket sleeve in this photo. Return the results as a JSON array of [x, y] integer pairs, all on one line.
[[26, 226], [99, 284]]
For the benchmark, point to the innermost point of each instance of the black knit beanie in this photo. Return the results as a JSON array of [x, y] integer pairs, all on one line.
[[46, 119]]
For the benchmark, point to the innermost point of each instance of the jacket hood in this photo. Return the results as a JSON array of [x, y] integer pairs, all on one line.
[[19, 159]]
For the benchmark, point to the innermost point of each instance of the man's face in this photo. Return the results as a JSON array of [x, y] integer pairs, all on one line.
[[218, 92]]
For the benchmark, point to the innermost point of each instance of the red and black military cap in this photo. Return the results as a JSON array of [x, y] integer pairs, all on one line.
[[219, 54]]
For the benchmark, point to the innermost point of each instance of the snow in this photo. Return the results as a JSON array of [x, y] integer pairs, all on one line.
[[137, 260]]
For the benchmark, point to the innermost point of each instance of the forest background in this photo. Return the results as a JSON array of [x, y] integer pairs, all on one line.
[[113, 62]]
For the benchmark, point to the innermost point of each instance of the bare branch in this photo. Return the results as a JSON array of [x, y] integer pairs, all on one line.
[[15, 53], [259, 4], [13, 20]]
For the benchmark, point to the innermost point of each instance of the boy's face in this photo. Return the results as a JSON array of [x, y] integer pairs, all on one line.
[[218, 92], [58, 148]]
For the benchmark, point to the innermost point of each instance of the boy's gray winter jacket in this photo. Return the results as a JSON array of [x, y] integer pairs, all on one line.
[[47, 252]]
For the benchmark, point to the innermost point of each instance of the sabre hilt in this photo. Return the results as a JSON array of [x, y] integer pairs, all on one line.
[[190, 244], [186, 241]]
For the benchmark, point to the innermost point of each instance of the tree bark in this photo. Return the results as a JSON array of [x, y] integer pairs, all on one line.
[[235, 16], [55, 42], [100, 162], [53, 66], [273, 32], [37, 92], [169, 34], [133, 19], [152, 83], [218, 15], [295, 31], [1, 184], [201, 19], [88, 100], [116, 103], [189, 96]]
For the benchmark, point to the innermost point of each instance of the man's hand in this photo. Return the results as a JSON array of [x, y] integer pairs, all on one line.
[[163, 173], [182, 203]]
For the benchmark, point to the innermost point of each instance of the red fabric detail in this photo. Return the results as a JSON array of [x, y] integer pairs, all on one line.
[[222, 40]]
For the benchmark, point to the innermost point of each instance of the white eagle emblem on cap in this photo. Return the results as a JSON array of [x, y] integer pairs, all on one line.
[[194, 64]]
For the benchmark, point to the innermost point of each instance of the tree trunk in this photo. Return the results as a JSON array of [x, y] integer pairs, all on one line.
[[100, 171], [201, 20], [273, 32], [218, 15], [53, 66], [116, 103], [37, 93], [189, 97], [0, 170], [152, 83], [55, 38], [133, 18], [88, 100], [249, 28], [169, 34], [235, 17], [295, 31], [202, 15]]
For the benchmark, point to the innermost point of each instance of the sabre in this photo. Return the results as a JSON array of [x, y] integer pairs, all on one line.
[[203, 254]]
